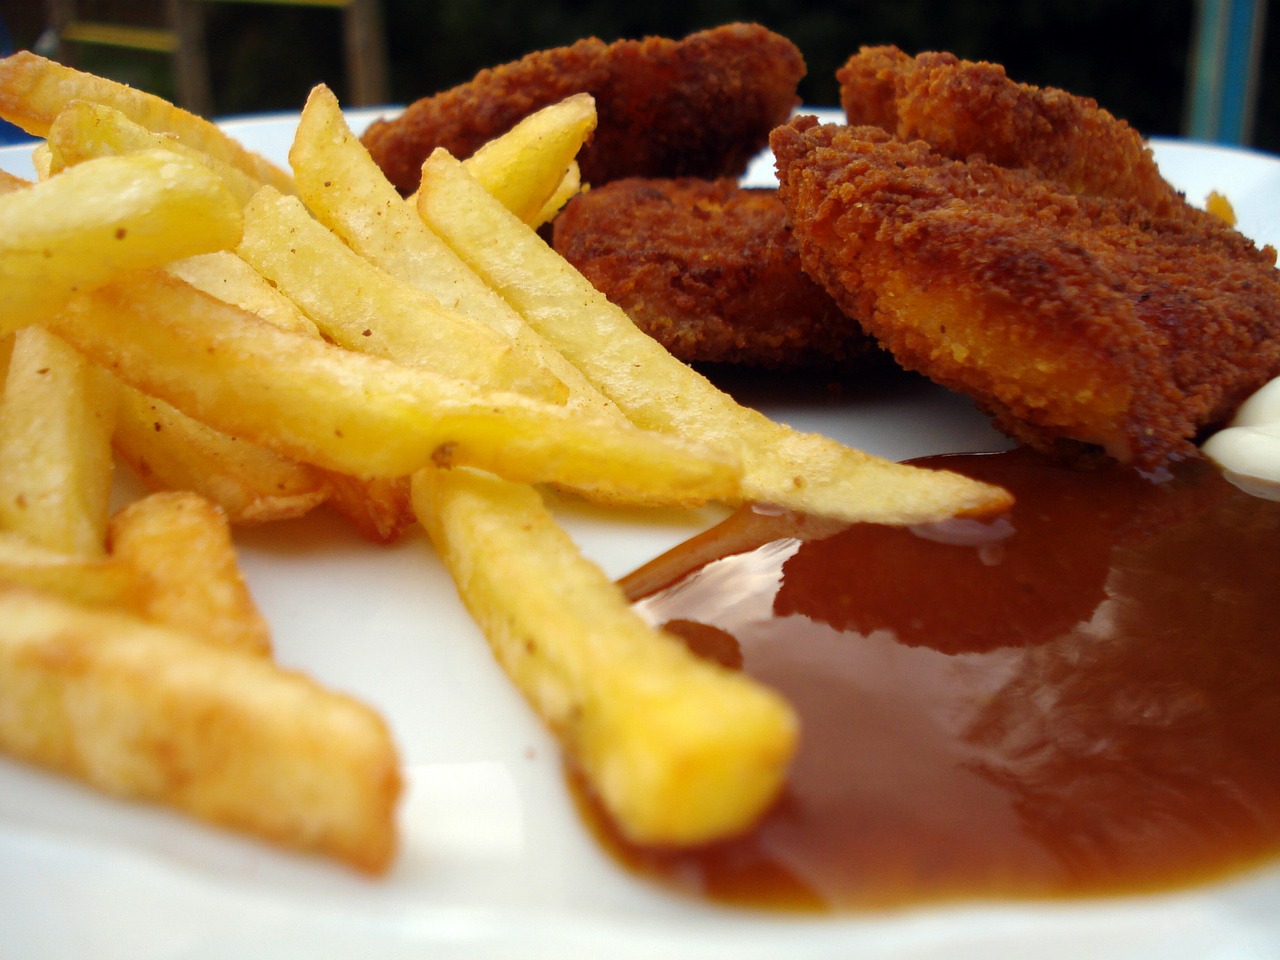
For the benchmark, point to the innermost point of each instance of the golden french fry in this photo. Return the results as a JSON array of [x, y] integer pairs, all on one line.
[[680, 750], [94, 580], [56, 416], [343, 187], [804, 472], [570, 186], [150, 713], [524, 168], [182, 542], [34, 90], [225, 275], [361, 307], [82, 131], [170, 451], [359, 414], [378, 507], [9, 182], [101, 218]]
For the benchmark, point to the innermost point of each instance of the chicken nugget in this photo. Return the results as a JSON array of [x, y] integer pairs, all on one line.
[[963, 108], [710, 270], [1079, 321], [702, 106]]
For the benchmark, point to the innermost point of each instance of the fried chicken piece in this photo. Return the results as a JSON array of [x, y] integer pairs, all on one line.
[[1075, 320], [710, 270], [702, 106], [963, 109]]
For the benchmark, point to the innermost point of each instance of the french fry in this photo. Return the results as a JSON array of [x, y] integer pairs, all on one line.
[[82, 131], [526, 167], [804, 472], [570, 186], [680, 750], [91, 580], [182, 543], [347, 192], [361, 307], [170, 451], [151, 713], [361, 415], [225, 275], [56, 416], [10, 182], [34, 90], [101, 218]]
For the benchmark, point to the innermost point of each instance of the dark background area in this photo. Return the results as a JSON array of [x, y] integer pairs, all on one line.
[[1130, 55]]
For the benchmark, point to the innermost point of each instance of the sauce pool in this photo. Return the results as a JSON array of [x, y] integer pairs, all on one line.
[[1080, 698]]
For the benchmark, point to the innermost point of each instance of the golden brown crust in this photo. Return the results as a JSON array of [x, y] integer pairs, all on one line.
[[702, 106], [710, 270], [1074, 319], [963, 109]]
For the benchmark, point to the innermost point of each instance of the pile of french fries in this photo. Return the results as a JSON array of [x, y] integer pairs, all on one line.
[[254, 343]]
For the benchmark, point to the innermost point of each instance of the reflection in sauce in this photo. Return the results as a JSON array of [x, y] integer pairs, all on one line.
[[1082, 698]]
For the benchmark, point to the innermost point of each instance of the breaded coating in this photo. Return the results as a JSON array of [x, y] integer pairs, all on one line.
[[963, 109], [1077, 321], [710, 270], [702, 106]]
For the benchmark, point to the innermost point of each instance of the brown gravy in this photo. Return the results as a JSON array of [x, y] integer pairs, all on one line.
[[1081, 698]]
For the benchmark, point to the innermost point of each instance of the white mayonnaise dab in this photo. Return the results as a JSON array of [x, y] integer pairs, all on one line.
[[1249, 449]]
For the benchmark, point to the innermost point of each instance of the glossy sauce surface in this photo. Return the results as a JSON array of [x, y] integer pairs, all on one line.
[[1080, 698]]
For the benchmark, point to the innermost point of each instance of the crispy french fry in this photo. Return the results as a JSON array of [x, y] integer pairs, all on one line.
[[9, 182], [34, 90], [101, 218], [225, 275], [182, 542], [94, 580], [56, 417], [378, 507], [343, 187], [680, 750], [805, 472], [570, 186], [150, 713], [363, 308], [170, 451], [525, 167], [82, 131], [358, 414]]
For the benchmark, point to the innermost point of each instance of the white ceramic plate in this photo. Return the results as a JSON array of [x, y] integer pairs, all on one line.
[[495, 862]]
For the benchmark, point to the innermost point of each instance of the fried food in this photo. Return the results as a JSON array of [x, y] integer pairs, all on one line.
[[709, 269], [962, 108], [1079, 321], [702, 106]]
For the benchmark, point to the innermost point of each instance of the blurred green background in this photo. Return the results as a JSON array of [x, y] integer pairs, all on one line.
[[1131, 55]]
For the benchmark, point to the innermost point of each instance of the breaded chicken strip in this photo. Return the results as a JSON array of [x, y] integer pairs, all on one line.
[[710, 270], [962, 109], [702, 106], [1076, 320]]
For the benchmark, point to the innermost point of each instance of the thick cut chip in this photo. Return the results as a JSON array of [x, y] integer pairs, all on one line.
[[801, 471], [83, 131], [680, 750], [92, 580], [360, 307], [225, 275], [56, 417], [363, 415], [170, 451], [150, 713], [348, 193], [525, 168], [101, 218], [182, 543], [34, 90]]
